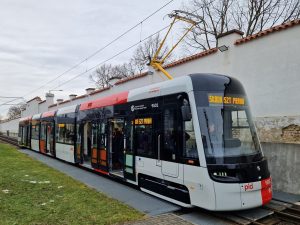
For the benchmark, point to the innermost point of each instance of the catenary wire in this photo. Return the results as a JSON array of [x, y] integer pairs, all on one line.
[[110, 58], [102, 48], [73, 78], [95, 53], [119, 53]]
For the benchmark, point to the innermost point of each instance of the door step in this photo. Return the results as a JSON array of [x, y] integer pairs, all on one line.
[[87, 165], [118, 173]]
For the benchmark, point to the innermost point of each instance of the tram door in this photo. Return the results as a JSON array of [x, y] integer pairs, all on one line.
[[129, 153], [170, 142], [49, 133], [23, 135], [98, 145], [43, 137], [87, 144], [24, 139], [116, 146], [26, 135]]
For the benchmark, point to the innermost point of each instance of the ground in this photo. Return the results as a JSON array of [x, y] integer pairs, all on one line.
[[33, 193]]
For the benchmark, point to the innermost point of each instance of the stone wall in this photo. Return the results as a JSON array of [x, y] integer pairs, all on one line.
[[284, 164], [285, 129]]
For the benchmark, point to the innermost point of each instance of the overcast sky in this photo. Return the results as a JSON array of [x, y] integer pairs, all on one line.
[[41, 39]]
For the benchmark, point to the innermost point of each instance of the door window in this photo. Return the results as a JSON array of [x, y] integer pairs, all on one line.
[[43, 131], [95, 128], [190, 150], [170, 137], [143, 135], [35, 129]]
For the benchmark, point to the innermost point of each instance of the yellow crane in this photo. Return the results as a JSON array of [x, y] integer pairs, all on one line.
[[177, 15]]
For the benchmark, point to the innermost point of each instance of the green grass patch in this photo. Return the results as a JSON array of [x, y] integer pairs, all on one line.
[[33, 193]]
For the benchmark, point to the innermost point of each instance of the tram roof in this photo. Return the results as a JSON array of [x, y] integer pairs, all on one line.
[[114, 99], [48, 114], [36, 116], [25, 118], [67, 109]]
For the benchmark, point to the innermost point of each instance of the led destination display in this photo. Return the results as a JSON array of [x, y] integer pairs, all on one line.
[[226, 100]]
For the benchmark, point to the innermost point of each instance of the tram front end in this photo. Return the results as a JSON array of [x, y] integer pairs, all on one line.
[[236, 167]]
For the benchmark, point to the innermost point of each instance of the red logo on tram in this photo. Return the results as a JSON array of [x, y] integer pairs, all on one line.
[[248, 187]]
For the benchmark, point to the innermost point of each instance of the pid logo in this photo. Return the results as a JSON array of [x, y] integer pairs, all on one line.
[[248, 187]]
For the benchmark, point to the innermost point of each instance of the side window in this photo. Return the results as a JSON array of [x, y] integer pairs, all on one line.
[[170, 137], [143, 134], [78, 133], [60, 132], [95, 128], [129, 136], [102, 137], [43, 131], [98, 135], [65, 133], [69, 134], [190, 148], [35, 130]]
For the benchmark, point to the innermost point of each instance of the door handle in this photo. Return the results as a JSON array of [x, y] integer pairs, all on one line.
[[124, 142], [158, 162], [158, 146]]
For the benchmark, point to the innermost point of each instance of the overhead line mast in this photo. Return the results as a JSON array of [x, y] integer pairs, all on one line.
[[178, 15]]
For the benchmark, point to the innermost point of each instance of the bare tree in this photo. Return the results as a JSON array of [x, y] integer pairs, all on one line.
[[101, 76], [15, 111], [249, 16], [141, 57], [144, 53], [104, 74], [121, 71]]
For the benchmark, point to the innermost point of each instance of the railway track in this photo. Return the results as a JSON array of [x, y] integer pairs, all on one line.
[[275, 213], [10, 140]]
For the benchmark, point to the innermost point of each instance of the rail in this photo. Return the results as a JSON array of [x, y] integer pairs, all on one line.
[[10, 140], [275, 213]]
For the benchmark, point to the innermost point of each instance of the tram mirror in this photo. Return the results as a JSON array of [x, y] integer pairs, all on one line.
[[186, 113]]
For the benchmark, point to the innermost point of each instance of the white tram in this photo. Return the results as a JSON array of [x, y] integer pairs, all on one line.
[[190, 141]]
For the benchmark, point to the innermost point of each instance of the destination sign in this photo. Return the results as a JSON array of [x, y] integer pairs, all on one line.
[[143, 121], [226, 100]]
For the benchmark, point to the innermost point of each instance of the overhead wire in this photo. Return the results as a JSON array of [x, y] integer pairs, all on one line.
[[102, 48], [96, 52], [119, 53], [93, 67], [110, 58]]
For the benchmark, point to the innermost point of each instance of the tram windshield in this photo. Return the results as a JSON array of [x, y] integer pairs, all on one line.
[[228, 132]]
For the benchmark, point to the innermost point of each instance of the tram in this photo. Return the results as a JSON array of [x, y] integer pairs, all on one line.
[[191, 141]]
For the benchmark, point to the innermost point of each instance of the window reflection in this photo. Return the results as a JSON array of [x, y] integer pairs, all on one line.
[[190, 141], [143, 136], [65, 133]]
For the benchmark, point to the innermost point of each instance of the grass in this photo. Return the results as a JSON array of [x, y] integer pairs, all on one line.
[[33, 193]]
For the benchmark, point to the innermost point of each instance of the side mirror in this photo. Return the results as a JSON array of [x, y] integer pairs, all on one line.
[[186, 113]]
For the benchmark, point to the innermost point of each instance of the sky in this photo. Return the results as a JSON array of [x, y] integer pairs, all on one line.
[[40, 40]]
